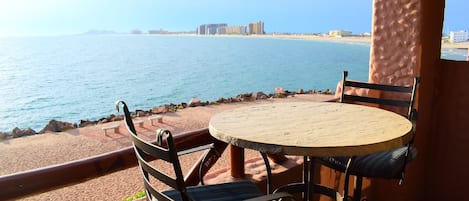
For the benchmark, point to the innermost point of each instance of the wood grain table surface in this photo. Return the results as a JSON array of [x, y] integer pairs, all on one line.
[[312, 128]]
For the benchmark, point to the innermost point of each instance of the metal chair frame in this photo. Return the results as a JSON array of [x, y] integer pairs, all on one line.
[[411, 115], [165, 149]]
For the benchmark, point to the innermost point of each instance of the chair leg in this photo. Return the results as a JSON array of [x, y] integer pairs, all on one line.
[[357, 192], [346, 181], [269, 172], [347, 178]]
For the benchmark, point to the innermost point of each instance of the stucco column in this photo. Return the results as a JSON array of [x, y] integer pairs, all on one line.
[[395, 58], [394, 43]]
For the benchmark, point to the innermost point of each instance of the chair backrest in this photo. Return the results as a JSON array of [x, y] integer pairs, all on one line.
[[404, 91], [146, 152]]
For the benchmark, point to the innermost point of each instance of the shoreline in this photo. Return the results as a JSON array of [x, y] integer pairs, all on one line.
[[22, 154], [347, 39], [55, 126]]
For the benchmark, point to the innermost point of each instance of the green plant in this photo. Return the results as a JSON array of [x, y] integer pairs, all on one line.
[[140, 194]]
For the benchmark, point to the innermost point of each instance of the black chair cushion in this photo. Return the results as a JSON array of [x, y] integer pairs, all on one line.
[[233, 191], [386, 165]]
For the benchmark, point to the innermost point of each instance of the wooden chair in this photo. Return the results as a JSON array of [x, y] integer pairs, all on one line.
[[165, 150], [387, 165]]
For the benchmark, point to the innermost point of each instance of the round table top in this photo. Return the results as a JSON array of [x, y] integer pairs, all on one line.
[[312, 128]]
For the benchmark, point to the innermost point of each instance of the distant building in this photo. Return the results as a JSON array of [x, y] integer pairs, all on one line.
[[339, 33], [161, 31], [221, 30], [201, 30], [235, 30], [366, 34], [136, 31], [256, 28], [459, 36], [209, 29]]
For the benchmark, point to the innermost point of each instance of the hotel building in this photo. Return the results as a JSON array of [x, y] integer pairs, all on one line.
[[235, 30], [339, 33], [459, 36], [256, 28], [209, 29]]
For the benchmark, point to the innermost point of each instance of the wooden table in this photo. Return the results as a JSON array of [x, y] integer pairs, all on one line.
[[312, 129]]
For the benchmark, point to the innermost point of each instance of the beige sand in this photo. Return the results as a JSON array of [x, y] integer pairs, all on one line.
[[348, 39], [53, 148]]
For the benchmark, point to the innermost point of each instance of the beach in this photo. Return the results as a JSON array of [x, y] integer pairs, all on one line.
[[42, 150], [354, 39], [345, 39]]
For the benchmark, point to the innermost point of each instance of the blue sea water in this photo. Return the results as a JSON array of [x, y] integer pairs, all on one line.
[[70, 78]]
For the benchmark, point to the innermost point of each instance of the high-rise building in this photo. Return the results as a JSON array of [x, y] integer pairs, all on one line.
[[201, 30], [239, 30], [256, 28], [458, 36], [209, 29]]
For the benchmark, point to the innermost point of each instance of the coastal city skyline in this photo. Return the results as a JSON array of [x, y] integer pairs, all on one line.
[[54, 17]]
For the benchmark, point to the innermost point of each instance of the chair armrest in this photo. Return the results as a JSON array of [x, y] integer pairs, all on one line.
[[275, 196], [195, 149]]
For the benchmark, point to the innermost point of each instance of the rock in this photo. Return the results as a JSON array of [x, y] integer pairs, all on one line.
[[117, 118], [244, 97], [301, 91], [214, 103], [171, 107], [329, 92], [259, 95], [279, 90], [29, 131], [140, 113], [57, 126], [103, 120], [181, 106], [159, 110], [4, 135], [194, 102], [233, 100], [84, 123], [16, 132], [221, 100]]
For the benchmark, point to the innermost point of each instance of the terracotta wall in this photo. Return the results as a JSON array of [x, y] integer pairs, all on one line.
[[425, 22], [449, 170], [440, 171], [407, 42], [394, 59], [394, 46]]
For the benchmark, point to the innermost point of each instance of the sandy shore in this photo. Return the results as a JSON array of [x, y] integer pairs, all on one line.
[[36, 151], [462, 45], [349, 39]]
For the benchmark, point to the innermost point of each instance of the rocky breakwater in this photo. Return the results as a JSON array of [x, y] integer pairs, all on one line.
[[60, 126], [52, 126]]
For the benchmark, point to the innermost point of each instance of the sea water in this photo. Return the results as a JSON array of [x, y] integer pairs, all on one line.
[[70, 78]]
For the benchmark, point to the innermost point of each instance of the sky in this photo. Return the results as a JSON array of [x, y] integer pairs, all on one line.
[[58, 17]]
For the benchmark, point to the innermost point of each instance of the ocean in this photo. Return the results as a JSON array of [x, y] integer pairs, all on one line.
[[70, 78]]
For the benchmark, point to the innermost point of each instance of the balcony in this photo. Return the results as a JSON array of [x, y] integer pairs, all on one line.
[[438, 173]]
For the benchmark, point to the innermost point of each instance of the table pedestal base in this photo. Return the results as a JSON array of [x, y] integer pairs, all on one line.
[[307, 187]]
